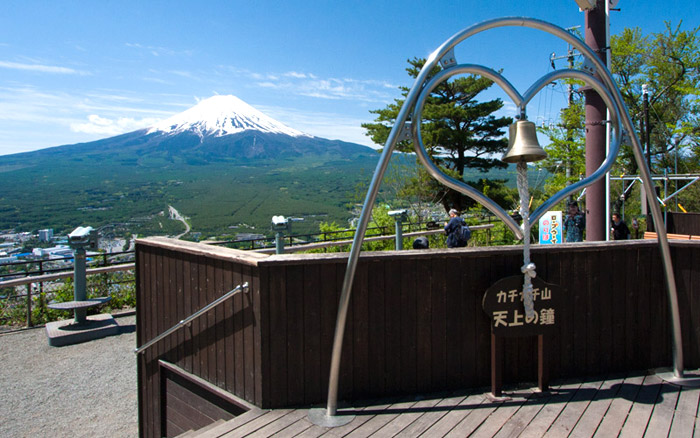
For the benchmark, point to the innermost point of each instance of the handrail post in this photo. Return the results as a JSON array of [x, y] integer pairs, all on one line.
[[41, 272], [29, 305]]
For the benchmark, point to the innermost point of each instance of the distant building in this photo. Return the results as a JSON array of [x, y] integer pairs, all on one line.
[[46, 235], [7, 259], [59, 251], [16, 237], [249, 236]]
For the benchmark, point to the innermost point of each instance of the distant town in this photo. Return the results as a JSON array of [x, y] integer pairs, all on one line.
[[44, 245]]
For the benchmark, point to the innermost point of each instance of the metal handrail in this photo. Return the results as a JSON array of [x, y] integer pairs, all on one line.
[[196, 314], [325, 244]]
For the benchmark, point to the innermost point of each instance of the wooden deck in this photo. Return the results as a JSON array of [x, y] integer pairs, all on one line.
[[633, 405]]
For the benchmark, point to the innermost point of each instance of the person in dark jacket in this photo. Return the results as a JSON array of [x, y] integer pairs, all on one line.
[[619, 228], [453, 228]]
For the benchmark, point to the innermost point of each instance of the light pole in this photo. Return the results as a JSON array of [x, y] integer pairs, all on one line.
[[645, 111]]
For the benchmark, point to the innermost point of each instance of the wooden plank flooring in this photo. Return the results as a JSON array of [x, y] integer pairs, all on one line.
[[634, 405]]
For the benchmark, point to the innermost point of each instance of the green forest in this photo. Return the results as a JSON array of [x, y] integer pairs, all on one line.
[[217, 198]]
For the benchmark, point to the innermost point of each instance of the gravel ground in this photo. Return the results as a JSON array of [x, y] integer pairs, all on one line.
[[80, 390]]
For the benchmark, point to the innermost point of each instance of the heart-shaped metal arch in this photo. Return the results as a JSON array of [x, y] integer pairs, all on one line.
[[521, 102], [606, 87]]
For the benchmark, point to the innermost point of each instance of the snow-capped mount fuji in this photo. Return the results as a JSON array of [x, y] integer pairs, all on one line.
[[220, 128], [222, 115], [221, 162]]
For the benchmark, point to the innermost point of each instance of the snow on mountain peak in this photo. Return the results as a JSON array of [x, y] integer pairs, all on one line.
[[222, 115]]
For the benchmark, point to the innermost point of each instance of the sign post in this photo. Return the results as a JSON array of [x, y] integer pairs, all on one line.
[[503, 303]]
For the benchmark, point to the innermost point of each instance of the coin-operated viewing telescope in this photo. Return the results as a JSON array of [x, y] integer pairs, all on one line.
[[280, 224], [83, 237]]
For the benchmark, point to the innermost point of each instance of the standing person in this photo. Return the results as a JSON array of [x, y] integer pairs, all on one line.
[[453, 229], [575, 223], [635, 227], [619, 228]]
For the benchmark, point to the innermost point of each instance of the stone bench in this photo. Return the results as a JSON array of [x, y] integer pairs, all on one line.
[[72, 305]]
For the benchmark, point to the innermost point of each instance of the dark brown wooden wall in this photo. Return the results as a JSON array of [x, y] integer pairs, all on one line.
[[683, 223], [188, 406], [220, 347], [415, 324]]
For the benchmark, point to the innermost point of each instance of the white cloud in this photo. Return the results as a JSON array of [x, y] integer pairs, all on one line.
[[268, 85], [106, 126], [327, 125], [184, 74], [42, 68], [311, 85], [34, 118], [160, 51], [294, 74]]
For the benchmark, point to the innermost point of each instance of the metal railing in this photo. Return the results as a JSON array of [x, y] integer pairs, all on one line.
[[30, 276], [99, 259], [184, 322], [340, 237], [28, 281], [325, 244]]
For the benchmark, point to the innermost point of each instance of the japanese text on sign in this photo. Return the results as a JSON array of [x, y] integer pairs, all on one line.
[[503, 303], [551, 228]]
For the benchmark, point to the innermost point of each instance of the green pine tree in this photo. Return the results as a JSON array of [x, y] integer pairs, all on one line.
[[458, 131]]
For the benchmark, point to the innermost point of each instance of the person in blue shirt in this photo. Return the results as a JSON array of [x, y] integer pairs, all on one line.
[[452, 229], [574, 223]]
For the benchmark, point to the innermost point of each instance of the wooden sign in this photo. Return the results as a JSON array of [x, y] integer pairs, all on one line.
[[503, 303]]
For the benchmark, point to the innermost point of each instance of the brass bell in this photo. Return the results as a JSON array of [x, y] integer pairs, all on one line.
[[523, 144]]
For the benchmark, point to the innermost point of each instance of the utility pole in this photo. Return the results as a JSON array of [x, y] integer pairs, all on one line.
[[596, 216], [647, 143], [570, 91], [570, 134]]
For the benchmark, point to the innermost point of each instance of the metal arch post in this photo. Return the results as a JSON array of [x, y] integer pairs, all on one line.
[[328, 417], [677, 376]]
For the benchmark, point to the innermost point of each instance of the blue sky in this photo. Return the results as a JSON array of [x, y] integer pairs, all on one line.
[[76, 71]]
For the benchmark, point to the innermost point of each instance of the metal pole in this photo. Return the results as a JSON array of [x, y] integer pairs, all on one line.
[[29, 304], [607, 125], [645, 135], [647, 131], [665, 193], [79, 283], [399, 234], [279, 243], [569, 131], [329, 416]]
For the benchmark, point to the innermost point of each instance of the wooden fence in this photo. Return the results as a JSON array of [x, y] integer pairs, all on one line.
[[415, 324], [683, 223]]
